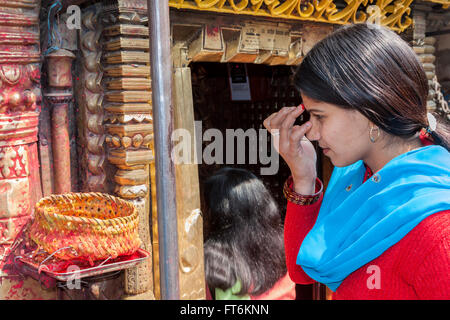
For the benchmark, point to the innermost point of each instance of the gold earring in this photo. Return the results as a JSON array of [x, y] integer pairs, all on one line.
[[371, 134]]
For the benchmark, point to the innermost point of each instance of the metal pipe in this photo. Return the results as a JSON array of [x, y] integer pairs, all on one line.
[[161, 74]]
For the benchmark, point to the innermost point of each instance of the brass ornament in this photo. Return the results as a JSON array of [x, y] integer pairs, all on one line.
[[389, 13]]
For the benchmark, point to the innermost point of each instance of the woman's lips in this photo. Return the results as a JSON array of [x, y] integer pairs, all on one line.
[[324, 150]]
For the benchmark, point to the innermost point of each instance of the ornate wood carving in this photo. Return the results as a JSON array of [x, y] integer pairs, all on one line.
[[425, 47], [20, 101], [128, 117], [90, 99], [20, 98], [393, 14]]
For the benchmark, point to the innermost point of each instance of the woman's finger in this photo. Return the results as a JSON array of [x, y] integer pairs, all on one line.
[[275, 122], [297, 135], [267, 121], [286, 126]]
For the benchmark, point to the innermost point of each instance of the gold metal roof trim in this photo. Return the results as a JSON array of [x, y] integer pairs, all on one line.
[[391, 13], [445, 3]]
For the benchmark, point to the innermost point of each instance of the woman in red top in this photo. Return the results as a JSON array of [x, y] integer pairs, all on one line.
[[382, 229]]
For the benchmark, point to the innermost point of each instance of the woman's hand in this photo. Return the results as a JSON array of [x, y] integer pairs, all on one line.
[[293, 146]]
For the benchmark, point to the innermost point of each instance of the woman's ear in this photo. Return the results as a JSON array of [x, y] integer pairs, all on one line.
[[370, 124]]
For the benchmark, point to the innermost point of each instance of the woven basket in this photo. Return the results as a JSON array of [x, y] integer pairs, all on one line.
[[94, 225]]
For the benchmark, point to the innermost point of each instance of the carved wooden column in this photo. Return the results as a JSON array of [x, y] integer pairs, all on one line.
[[89, 92], [60, 94], [20, 100], [128, 118], [424, 47]]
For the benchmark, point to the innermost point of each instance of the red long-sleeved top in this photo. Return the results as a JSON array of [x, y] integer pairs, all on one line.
[[416, 267]]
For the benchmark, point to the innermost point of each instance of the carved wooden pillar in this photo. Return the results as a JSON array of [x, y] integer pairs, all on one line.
[[60, 84], [20, 100], [128, 118], [425, 49], [91, 135]]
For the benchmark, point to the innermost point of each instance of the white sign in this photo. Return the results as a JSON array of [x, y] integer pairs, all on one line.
[[239, 84]]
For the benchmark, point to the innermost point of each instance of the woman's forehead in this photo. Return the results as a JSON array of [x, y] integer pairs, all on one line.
[[315, 110], [317, 106]]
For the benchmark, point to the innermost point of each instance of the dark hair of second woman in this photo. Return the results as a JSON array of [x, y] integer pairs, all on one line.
[[245, 233], [371, 69]]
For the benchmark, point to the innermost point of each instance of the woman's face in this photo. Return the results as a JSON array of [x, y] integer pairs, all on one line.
[[343, 134]]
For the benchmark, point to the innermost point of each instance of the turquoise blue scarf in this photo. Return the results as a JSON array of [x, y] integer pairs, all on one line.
[[358, 221]]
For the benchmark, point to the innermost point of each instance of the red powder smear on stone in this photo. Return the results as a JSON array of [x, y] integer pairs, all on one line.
[[18, 285]]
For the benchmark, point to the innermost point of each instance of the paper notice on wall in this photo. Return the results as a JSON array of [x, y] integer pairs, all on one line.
[[250, 37], [267, 38], [212, 37], [282, 38], [239, 83]]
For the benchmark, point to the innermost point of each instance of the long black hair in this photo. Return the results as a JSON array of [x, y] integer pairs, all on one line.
[[245, 233], [373, 70]]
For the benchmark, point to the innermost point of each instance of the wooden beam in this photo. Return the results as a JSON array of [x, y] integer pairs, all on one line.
[[189, 217]]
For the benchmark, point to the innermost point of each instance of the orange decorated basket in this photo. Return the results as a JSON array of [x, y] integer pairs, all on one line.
[[90, 226]]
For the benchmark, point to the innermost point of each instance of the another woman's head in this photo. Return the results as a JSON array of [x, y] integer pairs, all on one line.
[[374, 76], [245, 233]]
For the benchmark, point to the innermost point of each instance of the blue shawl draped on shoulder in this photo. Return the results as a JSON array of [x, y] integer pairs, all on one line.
[[358, 221]]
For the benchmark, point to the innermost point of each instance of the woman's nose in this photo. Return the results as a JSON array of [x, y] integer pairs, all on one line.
[[313, 134]]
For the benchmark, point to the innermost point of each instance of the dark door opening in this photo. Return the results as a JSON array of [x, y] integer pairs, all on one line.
[[270, 90]]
